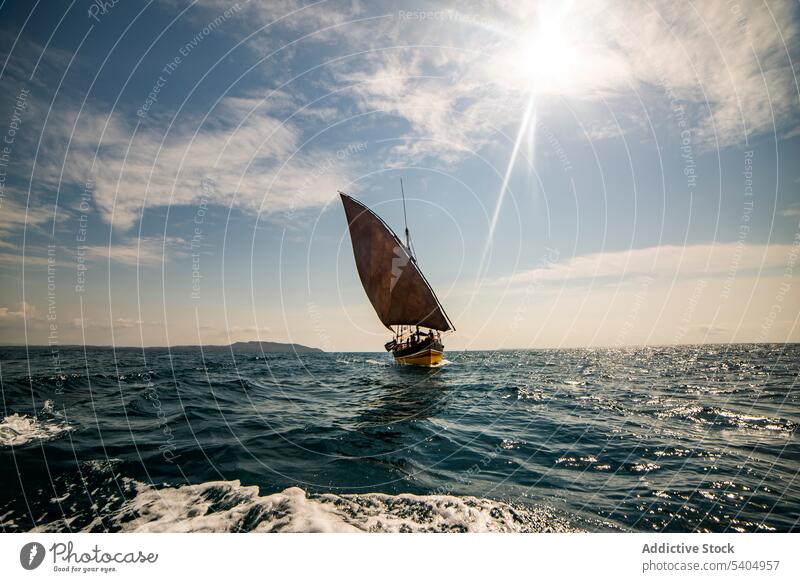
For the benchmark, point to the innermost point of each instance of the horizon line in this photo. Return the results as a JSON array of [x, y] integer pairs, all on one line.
[[501, 349]]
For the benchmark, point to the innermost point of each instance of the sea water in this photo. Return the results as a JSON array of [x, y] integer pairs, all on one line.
[[696, 438]]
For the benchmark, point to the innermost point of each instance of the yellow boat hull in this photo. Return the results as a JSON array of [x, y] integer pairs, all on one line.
[[425, 357]]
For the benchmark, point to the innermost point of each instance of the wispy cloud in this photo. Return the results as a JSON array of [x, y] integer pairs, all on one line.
[[456, 80], [458, 77], [238, 155], [732, 61], [24, 316], [14, 215], [793, 211], [144, 251], [668, 261]]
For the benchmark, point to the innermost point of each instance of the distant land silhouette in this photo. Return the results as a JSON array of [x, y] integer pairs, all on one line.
[[254, 347], [259, 347]]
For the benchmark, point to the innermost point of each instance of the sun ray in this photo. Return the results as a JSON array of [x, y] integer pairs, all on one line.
[[526, 120]]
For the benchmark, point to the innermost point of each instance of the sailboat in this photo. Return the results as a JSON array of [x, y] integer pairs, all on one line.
[[401, 296]]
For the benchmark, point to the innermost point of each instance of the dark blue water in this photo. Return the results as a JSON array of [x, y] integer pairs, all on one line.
[[647, 439]]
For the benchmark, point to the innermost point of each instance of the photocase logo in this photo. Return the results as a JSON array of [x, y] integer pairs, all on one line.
[[399, 262], [31, 555]]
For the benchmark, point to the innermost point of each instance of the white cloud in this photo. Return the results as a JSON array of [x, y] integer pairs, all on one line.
[[15, 218], [144, 251], [103, 323], [291, 13], [734, 63], [23, 311], [240, 155], [434, 106], [16, 260], [458, 77], [456, 81], [668, 261], [793, 211], [14, 215]]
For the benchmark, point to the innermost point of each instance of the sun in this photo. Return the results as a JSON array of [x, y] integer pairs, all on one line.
[[542, 59], [547, 62], [545, 59]]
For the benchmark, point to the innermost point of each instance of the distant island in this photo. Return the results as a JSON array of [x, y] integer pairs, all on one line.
[[252, 347], [257, 347]]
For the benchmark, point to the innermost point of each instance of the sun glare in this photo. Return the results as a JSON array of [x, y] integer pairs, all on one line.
[[546, 61], [545, 58]]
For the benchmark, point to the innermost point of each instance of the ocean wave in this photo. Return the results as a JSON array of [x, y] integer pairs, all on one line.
[[650, 421], [19, 429], [228, 506], [724, 418]]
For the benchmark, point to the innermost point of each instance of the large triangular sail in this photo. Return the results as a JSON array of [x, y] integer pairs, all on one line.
[[394, 284]]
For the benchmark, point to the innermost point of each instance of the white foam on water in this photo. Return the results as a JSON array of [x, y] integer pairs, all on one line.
[[228, 506], [48, 407], [442, 362], [19, 429]]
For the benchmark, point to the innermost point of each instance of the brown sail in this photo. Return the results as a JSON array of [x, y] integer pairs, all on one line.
[[394, 284]]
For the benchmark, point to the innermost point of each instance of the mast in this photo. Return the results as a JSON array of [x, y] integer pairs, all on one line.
[[405, 220]]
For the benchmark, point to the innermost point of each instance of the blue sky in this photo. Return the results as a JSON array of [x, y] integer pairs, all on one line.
[[576, 173]]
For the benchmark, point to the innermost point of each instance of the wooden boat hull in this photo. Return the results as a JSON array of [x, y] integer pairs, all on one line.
[[424, 353], [425, 357]]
